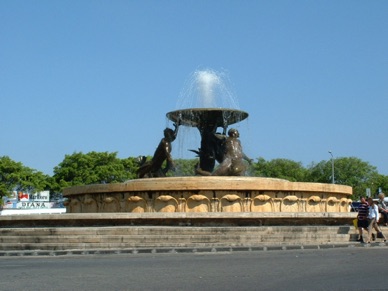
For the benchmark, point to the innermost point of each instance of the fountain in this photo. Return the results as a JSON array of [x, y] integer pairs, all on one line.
[[205, 195]]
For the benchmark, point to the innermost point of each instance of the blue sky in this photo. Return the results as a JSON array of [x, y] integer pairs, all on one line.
[[81, 76]]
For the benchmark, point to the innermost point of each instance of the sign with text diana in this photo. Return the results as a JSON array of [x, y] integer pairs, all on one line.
[[34, 204]]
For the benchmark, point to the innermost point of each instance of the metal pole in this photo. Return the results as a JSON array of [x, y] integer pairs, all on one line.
[[332, 167]]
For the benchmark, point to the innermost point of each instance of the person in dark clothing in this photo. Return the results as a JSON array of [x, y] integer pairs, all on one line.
[[383, 209], [362, 218]]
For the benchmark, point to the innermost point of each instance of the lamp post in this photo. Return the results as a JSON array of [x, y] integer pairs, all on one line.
[[332, 167]]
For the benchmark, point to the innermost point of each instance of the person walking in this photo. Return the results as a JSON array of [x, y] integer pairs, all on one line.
[[383, 209], [362, 219], [373, 216]]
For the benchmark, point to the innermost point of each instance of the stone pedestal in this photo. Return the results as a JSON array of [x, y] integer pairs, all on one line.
[[208, 194]]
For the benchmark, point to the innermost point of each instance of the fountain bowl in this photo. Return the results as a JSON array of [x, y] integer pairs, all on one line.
[[196, 117]]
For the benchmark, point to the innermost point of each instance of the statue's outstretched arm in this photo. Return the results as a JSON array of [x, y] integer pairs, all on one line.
[[249, 160], [176, 125]]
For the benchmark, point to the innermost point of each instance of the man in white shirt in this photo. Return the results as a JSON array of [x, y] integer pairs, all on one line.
[[373, 217]]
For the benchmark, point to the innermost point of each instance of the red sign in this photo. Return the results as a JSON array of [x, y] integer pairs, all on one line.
[[23, 196]]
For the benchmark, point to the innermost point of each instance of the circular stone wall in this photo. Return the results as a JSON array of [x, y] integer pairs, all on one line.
[[208, 194]]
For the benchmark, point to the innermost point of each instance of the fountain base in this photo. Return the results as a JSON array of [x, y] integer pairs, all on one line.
[[208, 195]]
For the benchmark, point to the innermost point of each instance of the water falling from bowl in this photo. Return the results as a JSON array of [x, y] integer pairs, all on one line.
[[207, 89]]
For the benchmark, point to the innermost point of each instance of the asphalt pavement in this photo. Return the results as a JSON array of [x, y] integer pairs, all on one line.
[[335, 268]]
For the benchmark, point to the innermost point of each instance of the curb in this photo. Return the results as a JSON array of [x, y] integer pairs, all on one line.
[[135, 251]]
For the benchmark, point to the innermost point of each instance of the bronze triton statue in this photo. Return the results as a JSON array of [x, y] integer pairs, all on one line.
[[232, 159], [153, 167]]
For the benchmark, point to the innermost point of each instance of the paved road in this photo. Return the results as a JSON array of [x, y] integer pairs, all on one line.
[[357, 268]]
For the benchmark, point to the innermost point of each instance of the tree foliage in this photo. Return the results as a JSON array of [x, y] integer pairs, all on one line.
[[380, 182], [280, 168], [93, 168], [184, 167], [349, 171], [14, 176]]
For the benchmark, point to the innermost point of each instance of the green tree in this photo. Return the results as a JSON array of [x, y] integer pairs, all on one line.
[[349, 171], [14, 176], [280, 168], [93, 168], [184, 167], [379, 182]]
